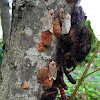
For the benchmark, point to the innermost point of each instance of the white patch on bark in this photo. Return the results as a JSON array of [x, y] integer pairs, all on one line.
[[37, 2], [44, 56], [28, 31], [34, 56]]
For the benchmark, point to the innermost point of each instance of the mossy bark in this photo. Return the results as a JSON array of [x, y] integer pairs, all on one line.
[[22, 61]]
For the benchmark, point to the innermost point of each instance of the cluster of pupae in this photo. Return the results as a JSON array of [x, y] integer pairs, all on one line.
[[72, 47]]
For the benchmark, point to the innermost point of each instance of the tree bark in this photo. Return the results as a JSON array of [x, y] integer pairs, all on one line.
[[22, 60], [5, 19]]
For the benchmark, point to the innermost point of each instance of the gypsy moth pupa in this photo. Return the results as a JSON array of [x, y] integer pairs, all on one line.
[[63, 84], [25, 86], [46, 38], [71, 79], [48, 22], [57, 28], [63, 95], [42, 74], [52, 73], [41, 47], [66, 25], [49, 95], [47, 83]]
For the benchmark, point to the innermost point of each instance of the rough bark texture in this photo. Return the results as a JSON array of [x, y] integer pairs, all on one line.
[[22, 60], [5, 19]]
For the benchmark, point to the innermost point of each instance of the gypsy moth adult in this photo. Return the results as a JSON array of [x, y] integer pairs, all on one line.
[[66, 25], [52, 73], [48, 22]]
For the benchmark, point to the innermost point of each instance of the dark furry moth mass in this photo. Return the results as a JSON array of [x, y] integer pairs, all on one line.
[[73, 45]]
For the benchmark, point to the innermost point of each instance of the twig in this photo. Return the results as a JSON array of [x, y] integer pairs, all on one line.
[[85, 90], [92, 72]]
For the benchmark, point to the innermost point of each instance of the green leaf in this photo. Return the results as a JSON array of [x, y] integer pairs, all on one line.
[[93, 38]]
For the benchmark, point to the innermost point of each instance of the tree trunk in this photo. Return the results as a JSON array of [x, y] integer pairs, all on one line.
[[5, 19], [22, 60]]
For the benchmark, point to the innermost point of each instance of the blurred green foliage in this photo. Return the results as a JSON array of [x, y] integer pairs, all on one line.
[[88, 25], [96, 61], [94, 43]]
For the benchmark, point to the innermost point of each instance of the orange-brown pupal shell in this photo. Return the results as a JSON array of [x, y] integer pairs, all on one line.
[[43, 74], [56, 28], [46, 38], [47, 83], [22, 32], [41, 47], [46, 0], [25, 86]]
